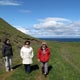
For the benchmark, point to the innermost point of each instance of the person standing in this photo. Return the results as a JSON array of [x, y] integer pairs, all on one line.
[[43, 57], [7, 54], [26, 54]]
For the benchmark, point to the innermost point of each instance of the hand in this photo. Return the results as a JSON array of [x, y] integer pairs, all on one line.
[[38, 60]]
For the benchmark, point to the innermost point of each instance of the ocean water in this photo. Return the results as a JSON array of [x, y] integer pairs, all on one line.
[[62, 39]]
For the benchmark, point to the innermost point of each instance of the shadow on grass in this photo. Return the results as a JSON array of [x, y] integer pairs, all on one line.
[[49, 68], [16, 66], [34, 67]]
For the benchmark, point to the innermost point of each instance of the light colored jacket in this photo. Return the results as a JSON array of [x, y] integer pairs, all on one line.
[[26, 55]]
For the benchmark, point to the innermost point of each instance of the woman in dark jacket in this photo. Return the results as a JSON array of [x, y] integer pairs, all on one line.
[[7, 55]]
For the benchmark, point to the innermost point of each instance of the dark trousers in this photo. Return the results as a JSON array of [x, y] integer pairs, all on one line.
[[27, 68]]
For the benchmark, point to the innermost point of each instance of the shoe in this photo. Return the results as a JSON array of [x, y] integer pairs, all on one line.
[[7, 70], [11, 69]]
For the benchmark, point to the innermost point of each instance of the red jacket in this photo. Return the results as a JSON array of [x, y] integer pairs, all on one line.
[[44, 57]]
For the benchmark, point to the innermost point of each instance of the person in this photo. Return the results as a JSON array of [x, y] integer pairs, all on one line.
[[7, 54], [26, 54], [43, 57]]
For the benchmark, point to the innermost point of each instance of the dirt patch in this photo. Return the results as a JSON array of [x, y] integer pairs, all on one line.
[[6, 75]]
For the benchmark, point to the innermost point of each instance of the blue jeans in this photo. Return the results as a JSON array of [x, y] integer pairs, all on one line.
[[27, 68], [8, 63]]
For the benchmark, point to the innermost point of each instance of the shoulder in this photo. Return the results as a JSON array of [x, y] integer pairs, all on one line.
[[39, 49], [31, 48], [48, 49], [4, 45], [22, 48]]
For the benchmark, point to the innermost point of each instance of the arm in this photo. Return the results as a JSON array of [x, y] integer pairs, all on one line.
[[21, 53], [38, 55], [48, 52], [32, 53]]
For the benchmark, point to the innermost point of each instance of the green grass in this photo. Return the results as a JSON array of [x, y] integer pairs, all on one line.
[[64, 61]]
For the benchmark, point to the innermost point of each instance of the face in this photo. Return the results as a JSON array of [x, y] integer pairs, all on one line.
[[8, 41], [27, 45], [43, 46]]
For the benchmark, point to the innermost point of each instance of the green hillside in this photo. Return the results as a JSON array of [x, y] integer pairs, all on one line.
[[8, 31], [17, 40], [64, 63]]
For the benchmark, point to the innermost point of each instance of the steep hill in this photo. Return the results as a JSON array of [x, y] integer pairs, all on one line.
[[8, 31], [17, 37]]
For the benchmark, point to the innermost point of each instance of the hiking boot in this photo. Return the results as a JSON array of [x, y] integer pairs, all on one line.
[[11, 70]]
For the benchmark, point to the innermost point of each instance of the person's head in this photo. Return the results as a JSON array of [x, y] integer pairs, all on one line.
[[27, 43], [7, 41], [44, 45]]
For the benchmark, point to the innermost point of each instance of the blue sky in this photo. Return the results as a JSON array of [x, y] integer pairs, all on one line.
[[43, 18]]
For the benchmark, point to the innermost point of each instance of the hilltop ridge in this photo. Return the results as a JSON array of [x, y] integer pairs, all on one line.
[[8, 31]]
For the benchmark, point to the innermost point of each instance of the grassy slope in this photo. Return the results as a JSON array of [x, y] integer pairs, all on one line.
[[17, 39], [65, 61], [64, 64]]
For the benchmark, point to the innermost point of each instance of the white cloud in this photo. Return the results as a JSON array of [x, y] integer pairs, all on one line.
[[51, 27], [54, 19], [9, 2], [26, 31], [57, 27], [51, 22]]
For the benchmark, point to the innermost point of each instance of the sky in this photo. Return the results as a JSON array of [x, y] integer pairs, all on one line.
[[43, 18]]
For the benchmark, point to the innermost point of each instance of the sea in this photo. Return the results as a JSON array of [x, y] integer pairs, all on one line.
[[62, 39]]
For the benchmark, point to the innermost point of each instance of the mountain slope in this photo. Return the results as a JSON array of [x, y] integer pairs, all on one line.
[[17, 37], [8, 31]]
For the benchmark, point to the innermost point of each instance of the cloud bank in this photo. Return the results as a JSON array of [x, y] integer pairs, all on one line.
[[55, 27]]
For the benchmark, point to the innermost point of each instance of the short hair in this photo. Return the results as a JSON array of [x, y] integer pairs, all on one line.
[[6, 40], [27, 42]]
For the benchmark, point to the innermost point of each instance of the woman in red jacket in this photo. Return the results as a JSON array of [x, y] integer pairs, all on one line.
[[43, 57]]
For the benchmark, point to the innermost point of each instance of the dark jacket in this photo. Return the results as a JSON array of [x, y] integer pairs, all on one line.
[[7, 50]]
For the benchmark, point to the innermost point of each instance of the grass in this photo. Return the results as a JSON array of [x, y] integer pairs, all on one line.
[[64, 62]]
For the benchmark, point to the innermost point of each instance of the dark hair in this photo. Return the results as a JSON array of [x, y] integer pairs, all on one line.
[[6, 41], [42, 46], [27, 42]]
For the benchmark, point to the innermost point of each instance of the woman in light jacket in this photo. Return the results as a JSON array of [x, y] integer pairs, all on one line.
[[26, 54]]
